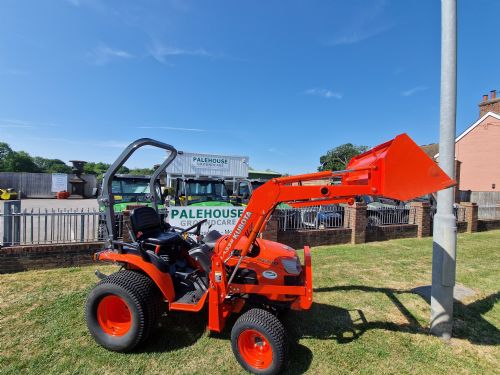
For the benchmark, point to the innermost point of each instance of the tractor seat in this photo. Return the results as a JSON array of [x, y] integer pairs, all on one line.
[[146, 225], [160, 238]]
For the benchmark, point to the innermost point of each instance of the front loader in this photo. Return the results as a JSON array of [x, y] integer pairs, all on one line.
[[167, 268]]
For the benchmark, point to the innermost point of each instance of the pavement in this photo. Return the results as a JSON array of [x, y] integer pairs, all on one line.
[[460, 292]]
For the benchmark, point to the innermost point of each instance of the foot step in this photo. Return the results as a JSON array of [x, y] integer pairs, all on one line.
[[191, 297]]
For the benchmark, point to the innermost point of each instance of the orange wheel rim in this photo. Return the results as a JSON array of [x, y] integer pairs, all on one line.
[[255, 349], [114, 316]]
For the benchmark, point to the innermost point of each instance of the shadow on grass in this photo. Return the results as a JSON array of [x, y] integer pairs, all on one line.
[[328, 322], [177, 330], [334, 322]]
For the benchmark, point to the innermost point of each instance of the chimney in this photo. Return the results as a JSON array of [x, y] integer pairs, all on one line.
[[491, 104]]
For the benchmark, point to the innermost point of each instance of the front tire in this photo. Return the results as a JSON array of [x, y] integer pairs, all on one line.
[[122, 309], [259, 343]]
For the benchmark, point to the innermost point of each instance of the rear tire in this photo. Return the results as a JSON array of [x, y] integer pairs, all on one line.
[[122, 309], [259, 343]]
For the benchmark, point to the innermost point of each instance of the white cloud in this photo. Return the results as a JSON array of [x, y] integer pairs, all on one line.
[[103, 54], [161, 52], [172, 128], [363, 24], [14, 72], [275, 151], [324, 93], [90, 142], [413, 90], [20, 124], [356, 36]]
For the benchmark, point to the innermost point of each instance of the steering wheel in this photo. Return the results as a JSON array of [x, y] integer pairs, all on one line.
[[197, 226]]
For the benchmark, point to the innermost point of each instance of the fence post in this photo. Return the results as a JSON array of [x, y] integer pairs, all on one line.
[[126, 224], [11, 223], [82, 227], [420, 214], [271, 230], [471, 215], [356, 215]]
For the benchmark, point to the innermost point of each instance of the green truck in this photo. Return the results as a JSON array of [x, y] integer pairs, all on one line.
[[200, 192]]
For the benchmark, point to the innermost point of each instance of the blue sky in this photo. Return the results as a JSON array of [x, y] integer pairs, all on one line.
[[278, 81]]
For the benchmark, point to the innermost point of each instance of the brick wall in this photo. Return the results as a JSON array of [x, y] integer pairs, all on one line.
[[356, 220], [483, 225], [23, 258], [420, 214], [271, 230], [461, 226], [299, 239], [390, 232]]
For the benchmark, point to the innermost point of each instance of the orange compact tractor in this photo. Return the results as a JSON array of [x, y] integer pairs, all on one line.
[[167, 268]]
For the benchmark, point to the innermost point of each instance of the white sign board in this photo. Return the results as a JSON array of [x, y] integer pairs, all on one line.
[[59, 182], [197, 164], [222, 219]]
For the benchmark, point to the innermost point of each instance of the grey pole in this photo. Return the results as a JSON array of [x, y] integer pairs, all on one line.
[[445, 229]]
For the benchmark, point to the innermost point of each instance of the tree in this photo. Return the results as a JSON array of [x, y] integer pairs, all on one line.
[[100, 168], [141, 171], [19, 162], [51, 165], [5, 151], [95, 168], [337, 158]]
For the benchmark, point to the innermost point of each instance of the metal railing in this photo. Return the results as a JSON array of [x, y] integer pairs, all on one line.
[[459, 212], [317, 217], [377, 216], [488, 212], [31, 227]]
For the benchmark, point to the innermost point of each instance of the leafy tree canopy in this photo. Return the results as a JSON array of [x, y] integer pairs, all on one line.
[[337, 158], [19, 162], [51, 165]]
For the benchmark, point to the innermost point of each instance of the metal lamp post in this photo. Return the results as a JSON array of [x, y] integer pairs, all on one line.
[[445, 228]]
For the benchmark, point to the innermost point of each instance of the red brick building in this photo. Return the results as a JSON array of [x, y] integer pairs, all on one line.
[[478, 149]]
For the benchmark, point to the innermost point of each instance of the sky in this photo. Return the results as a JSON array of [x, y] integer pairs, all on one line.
[[278, 81]]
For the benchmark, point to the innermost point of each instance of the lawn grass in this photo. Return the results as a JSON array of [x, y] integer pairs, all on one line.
[[365, 319]]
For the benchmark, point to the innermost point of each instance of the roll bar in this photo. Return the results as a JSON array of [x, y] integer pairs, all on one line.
[[107, 198]]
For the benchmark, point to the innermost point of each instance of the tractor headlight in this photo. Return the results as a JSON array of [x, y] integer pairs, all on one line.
[[292, 265]]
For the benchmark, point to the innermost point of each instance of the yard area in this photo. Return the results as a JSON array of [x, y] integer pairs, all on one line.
[[365, 319]]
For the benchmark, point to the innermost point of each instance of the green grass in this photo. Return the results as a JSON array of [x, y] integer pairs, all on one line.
[[364, 320]]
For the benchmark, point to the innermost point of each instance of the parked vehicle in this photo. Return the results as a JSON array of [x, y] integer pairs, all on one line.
[[132, 189], [200, 192], [323, 217], [382, 211], [127, 190], [8, 194], [244, 190]]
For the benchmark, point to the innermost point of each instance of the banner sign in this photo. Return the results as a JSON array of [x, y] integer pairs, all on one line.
[[222, 219], [208, 161], [188, 164], [59, 182]]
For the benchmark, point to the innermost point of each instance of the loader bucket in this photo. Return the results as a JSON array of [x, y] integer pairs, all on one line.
[[399, 170]]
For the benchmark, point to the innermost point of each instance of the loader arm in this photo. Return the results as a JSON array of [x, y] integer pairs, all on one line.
[[397, 169]]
